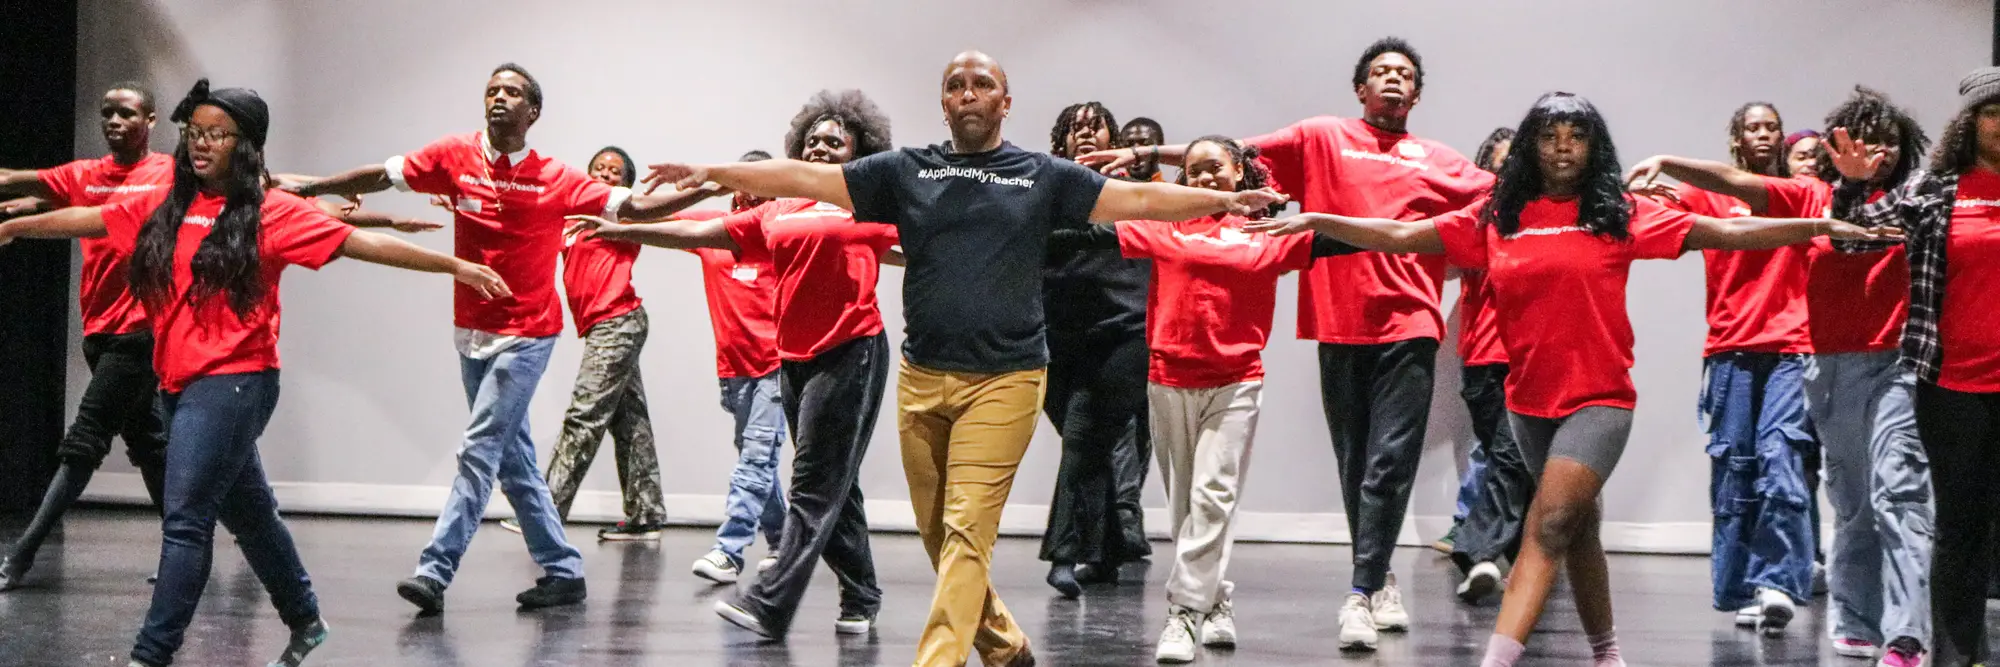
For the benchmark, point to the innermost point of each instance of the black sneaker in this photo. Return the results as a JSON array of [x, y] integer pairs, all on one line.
[[631, 532], [1097, 573], [424, 592], [552, 592], [742, 617], [304, 640], [1062, 577]]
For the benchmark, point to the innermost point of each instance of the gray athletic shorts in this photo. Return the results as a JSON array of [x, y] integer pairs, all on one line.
[[1594, 436]]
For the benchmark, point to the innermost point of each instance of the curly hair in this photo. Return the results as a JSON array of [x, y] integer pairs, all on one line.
[[853, 111], [1066, 124], [1389, 45], [1958, 148], [1483, 158], [1869, 116], [1253, 173], [1602, 207], [1737, 121]]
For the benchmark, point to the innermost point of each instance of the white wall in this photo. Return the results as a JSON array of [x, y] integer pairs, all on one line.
[[373, 410]]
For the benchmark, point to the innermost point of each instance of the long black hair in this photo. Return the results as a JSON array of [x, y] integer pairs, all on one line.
[[1602, 207], [1483, 158], [1778, 166], [1868, 115], [856, 114], [1066, 124], [1958, 148], [227, 262], [1254, 174]]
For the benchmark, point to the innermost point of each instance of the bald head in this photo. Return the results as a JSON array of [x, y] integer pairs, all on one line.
[[976, 62], [975, 101]]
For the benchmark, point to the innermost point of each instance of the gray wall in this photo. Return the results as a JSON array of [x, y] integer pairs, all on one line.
[[373, 409]]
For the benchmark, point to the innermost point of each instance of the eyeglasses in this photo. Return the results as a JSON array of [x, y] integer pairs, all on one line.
[[214, 135]]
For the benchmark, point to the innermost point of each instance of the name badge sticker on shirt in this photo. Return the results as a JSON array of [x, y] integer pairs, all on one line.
[[470, 205], [1411, 150], [744, 274]]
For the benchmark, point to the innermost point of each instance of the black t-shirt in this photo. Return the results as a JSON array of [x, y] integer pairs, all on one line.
[[1095, 292], [974, 228]]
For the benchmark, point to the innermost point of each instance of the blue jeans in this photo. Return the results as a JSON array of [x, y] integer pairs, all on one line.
[[1878, 478], [1468, 485], [1756, 417], [213, 473], [497, 445], [756, 497]]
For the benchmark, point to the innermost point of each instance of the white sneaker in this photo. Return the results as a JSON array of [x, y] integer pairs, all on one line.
[[1775, 611], [1748, 617], [1387, 606], [1218, 628], [717, 568], [766, 564], [1480, 582], [1357, 624], [1177, 640], [853, 625]]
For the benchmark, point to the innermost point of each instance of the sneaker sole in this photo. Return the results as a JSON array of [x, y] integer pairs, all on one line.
[[1393, 626], [418, 597], [715, 577], [1773, 621], [1846, 651], [853, 627], [1173, 659], [545, 604], [1357, 644], [629, 537], [1219, 643], [741, 619], [509, 527], [1477, 587]]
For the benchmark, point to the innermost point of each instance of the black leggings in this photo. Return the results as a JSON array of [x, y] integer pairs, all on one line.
[[1961, 434]]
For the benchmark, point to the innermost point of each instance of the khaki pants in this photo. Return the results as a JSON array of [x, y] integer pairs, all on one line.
[[1202, 438], [963, 437]]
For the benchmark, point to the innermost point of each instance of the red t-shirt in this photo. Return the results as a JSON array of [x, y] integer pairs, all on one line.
[[196, 340], [1756, 298], [742, 295], [104, 294], [508, 215], [1856, 302], [827, 266], [1214, 289], [597, 280], [1561, 290], [1968, 322], [1345, 166], [1478, 323]]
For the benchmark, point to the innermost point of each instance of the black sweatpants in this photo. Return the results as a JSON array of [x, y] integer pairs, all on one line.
[[1961, 434], [831, 404], [1096, 399], [1492, 528], [1378, 402]]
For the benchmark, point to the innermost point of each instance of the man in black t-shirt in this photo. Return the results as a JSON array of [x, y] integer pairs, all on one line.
[[974, 216]]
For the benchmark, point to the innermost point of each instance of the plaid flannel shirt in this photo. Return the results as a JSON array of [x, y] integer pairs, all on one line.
[[1922, 207]]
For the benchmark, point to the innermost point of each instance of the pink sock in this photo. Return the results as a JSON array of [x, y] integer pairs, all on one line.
[[1502, 651], [1604, 650]]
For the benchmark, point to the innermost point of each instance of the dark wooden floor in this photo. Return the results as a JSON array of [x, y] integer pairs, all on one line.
[[87, 594]]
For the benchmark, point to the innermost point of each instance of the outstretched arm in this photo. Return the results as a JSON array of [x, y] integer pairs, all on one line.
[[1708, 175], [769, 179], [352, 214], [1381, 234], [648, 207], [1113, 159], [1125, 200], [23, 182], [358, 181], [1752, 233], [66, 223], [390, 251], [22, 206], [675, 234]]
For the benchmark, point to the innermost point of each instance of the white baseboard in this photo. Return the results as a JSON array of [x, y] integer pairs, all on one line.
[[885, 515]]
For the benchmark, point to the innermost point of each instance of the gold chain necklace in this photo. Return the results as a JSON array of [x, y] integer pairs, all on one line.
[[499, 193]]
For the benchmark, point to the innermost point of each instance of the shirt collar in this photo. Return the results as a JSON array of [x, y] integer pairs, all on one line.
[[493, 154]]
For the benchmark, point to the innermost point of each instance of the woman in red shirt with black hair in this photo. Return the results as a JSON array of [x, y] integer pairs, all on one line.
[[1557, 238], [206, 256], [834, 359]]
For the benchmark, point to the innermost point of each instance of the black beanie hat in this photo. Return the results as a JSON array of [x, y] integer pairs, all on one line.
[[243, 105]]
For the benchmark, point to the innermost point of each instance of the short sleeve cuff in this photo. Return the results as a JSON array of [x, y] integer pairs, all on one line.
[[615, 202], [394, 166]]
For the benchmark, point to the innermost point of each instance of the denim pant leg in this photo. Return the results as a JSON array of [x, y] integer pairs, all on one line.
[[1468, 484], [1728, 410], [756, 499], [215, 424], [1841, 406], [1781, 549], [498, 390]]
